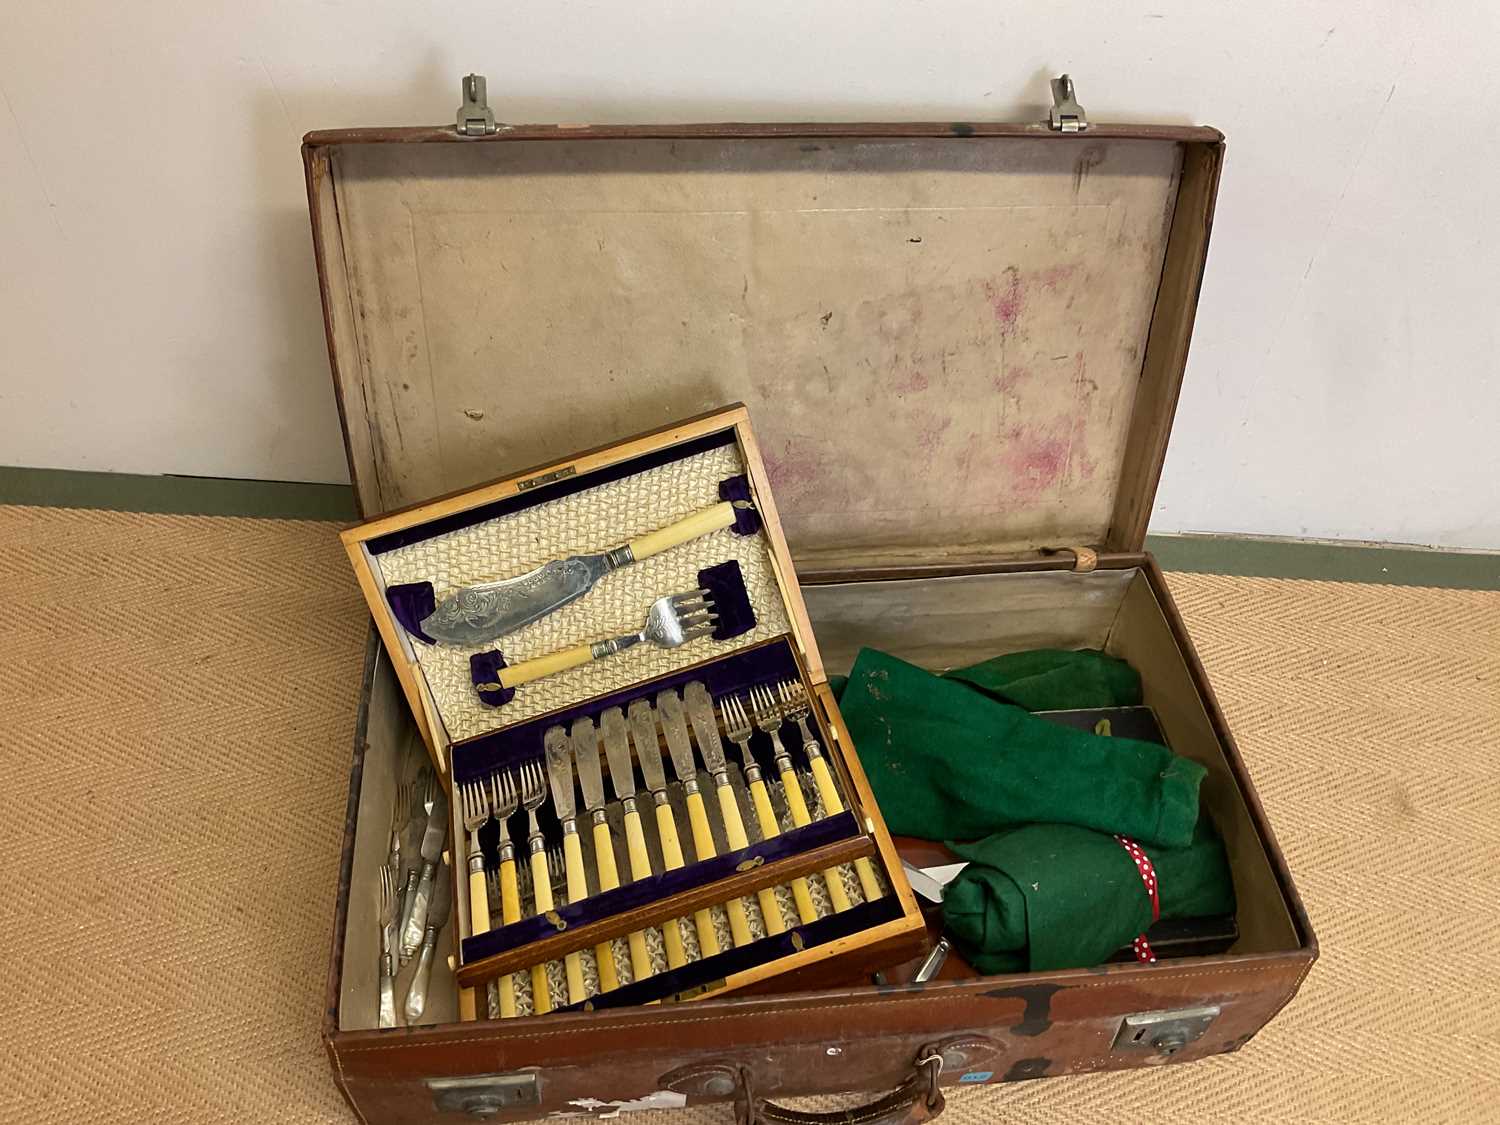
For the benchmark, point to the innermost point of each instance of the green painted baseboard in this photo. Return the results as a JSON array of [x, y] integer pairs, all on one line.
[[1247, 556]]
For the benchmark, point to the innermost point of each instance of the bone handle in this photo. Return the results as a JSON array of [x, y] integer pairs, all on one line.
[[541, 894], [578, 890], [734, 831], [674, 535], [510, 911], [528, 670], [766, 815], [800, 817], [671, 853]]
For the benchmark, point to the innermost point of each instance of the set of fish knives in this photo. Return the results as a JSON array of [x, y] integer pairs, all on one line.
[[574, 753]]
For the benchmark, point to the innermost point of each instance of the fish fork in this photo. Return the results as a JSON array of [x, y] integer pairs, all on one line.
[[387, 953], [797, 707], [474, 800], [533, 794], [672, 621], [504, 800], [738, 727], [768, 717]]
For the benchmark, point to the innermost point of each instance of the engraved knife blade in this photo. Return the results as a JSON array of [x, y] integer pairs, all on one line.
[[617, 750], [674, 726], [647, 748], [700, 709], [586, 757], [560, 771]]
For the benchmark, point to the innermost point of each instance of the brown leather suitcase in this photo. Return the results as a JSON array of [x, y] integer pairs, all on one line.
[[962, 344]]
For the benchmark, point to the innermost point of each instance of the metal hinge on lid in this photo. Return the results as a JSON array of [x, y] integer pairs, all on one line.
[[1067, 114], [475, 117]]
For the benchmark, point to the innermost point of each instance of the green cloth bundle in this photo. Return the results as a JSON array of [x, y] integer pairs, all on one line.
[[947, 760], [1054, 896]]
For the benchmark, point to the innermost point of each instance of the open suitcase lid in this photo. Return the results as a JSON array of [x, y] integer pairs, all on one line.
[[958, 342]]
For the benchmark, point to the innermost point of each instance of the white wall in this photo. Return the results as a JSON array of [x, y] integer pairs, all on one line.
[[158, 311]]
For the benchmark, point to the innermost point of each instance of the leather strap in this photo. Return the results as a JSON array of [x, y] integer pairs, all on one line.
[[916, 1100]]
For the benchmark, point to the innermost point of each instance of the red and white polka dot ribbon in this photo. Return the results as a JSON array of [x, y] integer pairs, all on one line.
[[1148, 877]]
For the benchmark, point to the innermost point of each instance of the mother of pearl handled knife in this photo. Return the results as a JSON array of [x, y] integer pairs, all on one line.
[[700, 709], [648, 753], [476, 615], [622, 778], [433, 839], [560, 778], [437, 918], [673, 723], [591, 781]]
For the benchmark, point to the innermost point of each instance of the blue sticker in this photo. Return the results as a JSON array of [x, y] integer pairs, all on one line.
[[977, 1076]]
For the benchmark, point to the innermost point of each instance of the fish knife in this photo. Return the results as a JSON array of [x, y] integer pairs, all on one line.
[[559, 753], [674, 724], [648, 753], [478, 614], [591, 781], [622, 778], [437, 918], [433, 838]]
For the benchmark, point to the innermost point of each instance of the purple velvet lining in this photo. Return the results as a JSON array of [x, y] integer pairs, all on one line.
[[411, 604], [726, 583], [766, 663], [484, 668], [738, 959], [547, 492], [643, 892], [747, 521]]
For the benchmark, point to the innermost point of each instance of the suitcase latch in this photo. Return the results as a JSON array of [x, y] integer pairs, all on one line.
[[475, 117], [1067, 114], [1163, 1033], [485, 1095]]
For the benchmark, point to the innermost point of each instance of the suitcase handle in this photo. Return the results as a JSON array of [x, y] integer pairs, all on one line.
[[916, 1099]]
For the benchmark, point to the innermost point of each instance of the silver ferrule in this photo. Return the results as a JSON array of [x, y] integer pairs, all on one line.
[[476, 861], [721, 779], [658, 796], [752, 774], [507, 851], [690, 785], [535, 843], [627, 805], [783, 762], [620, 556], [812, 749], [570, 827], [597, 816], [600, 649]]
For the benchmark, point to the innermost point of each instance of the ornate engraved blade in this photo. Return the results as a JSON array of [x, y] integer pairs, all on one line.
[[476, 615]]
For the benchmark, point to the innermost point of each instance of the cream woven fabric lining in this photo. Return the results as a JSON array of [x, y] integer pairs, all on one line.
[[584, 523]]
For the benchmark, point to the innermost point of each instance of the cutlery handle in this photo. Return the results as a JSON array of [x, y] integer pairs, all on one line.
[[387, 1000], [676, 534], [510, 911], [703, 848], [833, 803], [640, 868], [479, 900], [468, 1010], [408, 900], [734, 832], [609, 879], [416, 995], [766, 815], [411, 936], [671, 854], [578, 890], [795, 801], [541, 898], [528, 670]]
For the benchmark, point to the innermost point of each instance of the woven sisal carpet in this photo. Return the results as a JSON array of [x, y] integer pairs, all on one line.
[[176, 708]]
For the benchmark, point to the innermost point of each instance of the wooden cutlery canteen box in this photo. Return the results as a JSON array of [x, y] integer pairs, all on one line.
[[961, 347]]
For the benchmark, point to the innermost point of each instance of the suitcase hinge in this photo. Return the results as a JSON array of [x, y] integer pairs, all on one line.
[[475, 117], [1067, 114]]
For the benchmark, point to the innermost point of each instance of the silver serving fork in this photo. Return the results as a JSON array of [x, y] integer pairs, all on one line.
[[672, 621], [768, 716], [474, 800], [797, 707], [387, 950]]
